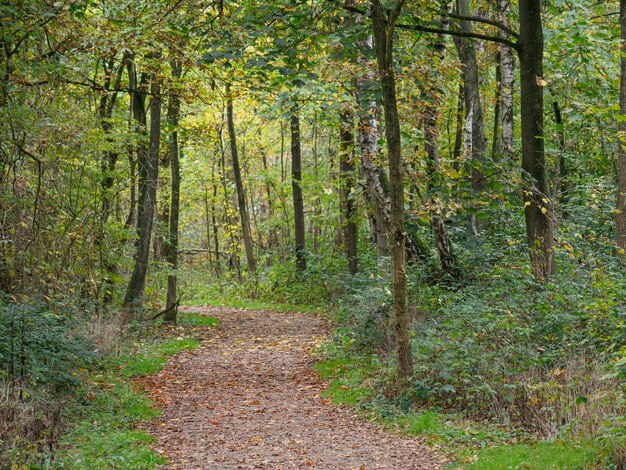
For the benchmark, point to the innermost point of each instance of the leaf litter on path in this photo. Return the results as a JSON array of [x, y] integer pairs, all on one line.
[[249, 398]]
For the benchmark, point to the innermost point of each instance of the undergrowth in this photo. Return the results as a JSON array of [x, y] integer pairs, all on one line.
[[103, 419], [505, 367], [67, 397]]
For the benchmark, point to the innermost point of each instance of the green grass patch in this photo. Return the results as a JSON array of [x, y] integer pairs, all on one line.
[[342, 394], [154, 357], [539, 456], [103, 418], [103, 434], [347, 386], [334, 367], [424, 423], [196, 320], [171, 347]]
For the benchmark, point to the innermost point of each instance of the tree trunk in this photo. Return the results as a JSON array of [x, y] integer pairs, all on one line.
[[241, 195], [271, 239], [171, 245], [107, 165], [620, 217], [298, 203], [458, 137], [377, 185], [367, 137], [347, 177], [216, 240], [148, 163], [560, 187], [496, 143], [137, 92], [475, 123], [507, 83], [432, 114], [538, 209], [383, 24]]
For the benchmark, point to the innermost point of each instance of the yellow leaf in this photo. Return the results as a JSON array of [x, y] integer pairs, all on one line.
[[544, 210]]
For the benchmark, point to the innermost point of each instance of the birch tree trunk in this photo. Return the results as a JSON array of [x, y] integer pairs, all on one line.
[[346, 168], [507, 82]]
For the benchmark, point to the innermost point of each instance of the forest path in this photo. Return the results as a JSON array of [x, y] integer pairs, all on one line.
[[249, 398]]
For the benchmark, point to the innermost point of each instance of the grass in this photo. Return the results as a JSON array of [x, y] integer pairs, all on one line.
[[196, 320], [539, 456], [475, 445], [103, 420]]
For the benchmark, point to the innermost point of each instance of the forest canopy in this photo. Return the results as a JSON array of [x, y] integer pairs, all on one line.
[[445, 179]]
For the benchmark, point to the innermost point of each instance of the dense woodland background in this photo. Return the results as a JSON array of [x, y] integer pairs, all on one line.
[[442, 176]]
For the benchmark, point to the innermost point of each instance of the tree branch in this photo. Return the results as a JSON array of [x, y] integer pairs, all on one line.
[[449, 32], [452, 32], [488, 21]]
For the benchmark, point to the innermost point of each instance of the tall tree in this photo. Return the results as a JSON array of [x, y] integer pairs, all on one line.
[[620, 213], [148, 164], [348, 202], [241, 195], [507, 81], [171, 245], [474, 120], [432, 113], [367, 137], [538, 209], [383, 26], [296, 185]]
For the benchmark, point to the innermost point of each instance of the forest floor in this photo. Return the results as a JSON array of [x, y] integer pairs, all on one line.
[[250, 398]]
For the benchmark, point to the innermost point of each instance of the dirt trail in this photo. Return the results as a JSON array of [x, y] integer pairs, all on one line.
[[249, 398]]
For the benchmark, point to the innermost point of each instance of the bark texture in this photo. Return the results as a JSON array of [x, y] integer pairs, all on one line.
[[148, 175], [367, 138], [538, 209], [475, 122], [241, 195], [349, 207], [383, 23], [475, 139], [171, 245], [507, 82], [298, 202], [432, 114]]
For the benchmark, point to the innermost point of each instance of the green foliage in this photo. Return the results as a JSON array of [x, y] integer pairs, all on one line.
[[364, 315], [103, 420], [499, 359], [276, 286], [38, 345]]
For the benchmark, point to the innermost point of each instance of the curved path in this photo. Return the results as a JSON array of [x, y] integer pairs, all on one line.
[[248, 398]]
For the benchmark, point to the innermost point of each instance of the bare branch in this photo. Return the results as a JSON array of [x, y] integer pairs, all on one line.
[[452, 32], [488, 21]]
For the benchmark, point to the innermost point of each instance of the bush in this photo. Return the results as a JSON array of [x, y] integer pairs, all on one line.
[[39, 354], [38, 346]]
